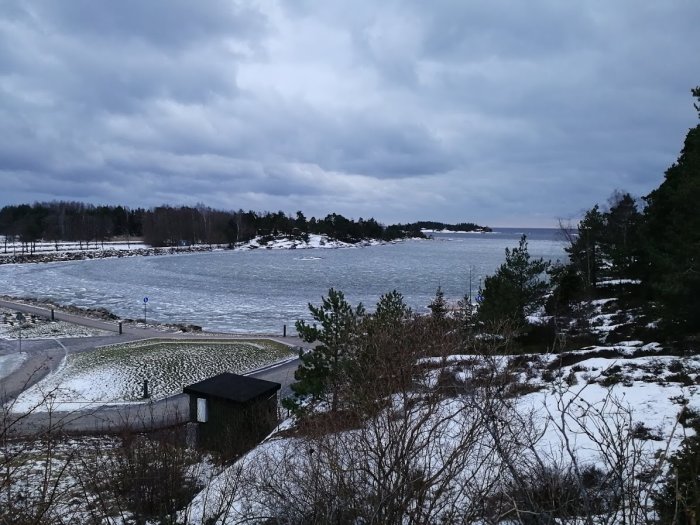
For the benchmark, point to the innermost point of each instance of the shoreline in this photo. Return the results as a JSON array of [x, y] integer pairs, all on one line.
[[83, 255], [319, 242], [103, 314]]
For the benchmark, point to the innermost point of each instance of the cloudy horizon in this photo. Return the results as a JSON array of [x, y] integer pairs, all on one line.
[[505, 114]]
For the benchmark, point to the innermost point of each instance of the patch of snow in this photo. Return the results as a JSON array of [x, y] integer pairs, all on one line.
[[458, 358], [652, 347], [601, 302], [314, 241], [479, 231], [616, 282]]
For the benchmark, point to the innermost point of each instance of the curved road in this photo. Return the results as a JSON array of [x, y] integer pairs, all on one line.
[[47, 354]]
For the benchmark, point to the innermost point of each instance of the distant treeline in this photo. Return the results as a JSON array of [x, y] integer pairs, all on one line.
[[459, 227], [185, 225]]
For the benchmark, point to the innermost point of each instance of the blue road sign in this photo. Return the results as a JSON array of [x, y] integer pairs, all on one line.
[[145, 299]]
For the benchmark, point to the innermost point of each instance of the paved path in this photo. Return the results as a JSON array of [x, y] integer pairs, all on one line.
[[46, 355], [132, 329]]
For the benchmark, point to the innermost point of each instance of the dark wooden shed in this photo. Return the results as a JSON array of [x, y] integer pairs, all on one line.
[[233, 412]]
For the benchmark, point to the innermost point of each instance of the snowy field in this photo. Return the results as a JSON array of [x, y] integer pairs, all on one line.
[[115, 373], [45, 247], [36, 327]]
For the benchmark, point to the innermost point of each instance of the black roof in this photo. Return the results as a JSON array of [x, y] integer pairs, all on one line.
[[233, 387]]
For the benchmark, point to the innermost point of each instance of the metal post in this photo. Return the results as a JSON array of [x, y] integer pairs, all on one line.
[[145, 388], [52, 316], [20, 320], [120, 328], [145, 309], [284, 331]]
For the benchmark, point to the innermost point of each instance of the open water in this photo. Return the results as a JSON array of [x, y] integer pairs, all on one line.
[[261, 290]]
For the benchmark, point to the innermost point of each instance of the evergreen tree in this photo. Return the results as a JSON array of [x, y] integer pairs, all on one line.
[[381, 360], [678, 499], [620, 241], [585, 252], [672, 236], [438, 306], [567, 288], [322, 370], [391, 310], [516, 289]]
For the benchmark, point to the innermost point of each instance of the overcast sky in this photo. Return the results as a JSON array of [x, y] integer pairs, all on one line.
[[506, 112]]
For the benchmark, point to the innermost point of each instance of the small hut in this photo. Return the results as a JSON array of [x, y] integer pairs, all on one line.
[[233, 412]]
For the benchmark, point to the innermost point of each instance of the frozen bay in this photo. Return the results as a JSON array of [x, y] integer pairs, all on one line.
[[261, 290]]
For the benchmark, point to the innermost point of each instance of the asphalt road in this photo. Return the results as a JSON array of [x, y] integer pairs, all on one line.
[[46, 355]]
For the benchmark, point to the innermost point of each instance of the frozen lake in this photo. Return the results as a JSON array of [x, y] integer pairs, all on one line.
[[260, 290]]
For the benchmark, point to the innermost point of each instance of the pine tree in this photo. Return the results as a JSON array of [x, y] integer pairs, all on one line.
[[322, 370], [620, 241], [381, 360], [516, 290], [585, 252], [391, 310], [677, 501], [438, 306]]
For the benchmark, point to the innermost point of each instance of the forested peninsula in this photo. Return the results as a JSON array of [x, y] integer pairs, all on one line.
[[172, 226]]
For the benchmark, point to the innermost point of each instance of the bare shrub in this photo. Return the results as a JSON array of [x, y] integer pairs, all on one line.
[[145, 477], [34, 483]]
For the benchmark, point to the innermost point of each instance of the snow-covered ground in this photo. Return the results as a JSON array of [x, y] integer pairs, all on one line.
[[609, 406], [573, 414], [45, 247], [428, 231], [115, 373], [69, 251], [315, 241], [280, 242]]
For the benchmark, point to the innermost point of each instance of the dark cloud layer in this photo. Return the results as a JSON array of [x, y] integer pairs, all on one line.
[[504, 112]]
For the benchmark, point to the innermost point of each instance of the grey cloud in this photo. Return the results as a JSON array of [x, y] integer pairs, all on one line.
[[402, 110], [170, 24]]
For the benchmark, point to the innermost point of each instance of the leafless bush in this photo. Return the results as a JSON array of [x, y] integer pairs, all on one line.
[[145, 477], [34, 483]]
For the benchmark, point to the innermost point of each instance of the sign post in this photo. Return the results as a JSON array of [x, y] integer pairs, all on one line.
[[20, 320], [145, 310]]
